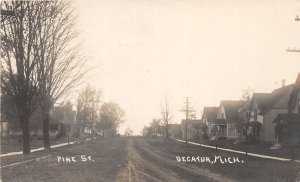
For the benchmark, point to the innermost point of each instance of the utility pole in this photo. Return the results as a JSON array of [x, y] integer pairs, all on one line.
[[166, 117], [187, 109], [93, 124], [294, 49], [93, 120]]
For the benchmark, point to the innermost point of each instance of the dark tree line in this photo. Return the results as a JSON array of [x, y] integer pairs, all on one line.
[[40, 60]]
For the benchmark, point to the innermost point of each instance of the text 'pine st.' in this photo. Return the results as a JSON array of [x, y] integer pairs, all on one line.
[[69, 159]]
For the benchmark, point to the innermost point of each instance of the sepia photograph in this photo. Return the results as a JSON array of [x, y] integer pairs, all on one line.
[[150, 91]]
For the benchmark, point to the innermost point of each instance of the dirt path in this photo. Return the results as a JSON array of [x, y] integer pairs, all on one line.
[[140, 170], [146, 164]]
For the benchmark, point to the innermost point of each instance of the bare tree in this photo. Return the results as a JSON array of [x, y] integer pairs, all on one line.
[[154, 129], [128, 132], [111, 116], [18, 59], [86, 109], [59, 62], [247, 94], [166, 116]]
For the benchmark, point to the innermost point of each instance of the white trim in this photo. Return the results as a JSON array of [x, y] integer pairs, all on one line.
[[22, 162], [37, 149]]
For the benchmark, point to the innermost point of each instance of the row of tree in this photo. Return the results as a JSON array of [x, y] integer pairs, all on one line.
[[40, 59], [160, 127], [155, 129], [104, 120]]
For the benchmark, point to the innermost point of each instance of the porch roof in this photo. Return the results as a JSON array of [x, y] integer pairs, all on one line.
[[219, 122]]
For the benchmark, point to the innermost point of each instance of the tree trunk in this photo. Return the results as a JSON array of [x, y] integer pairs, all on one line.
[[1, 130], [8, 132], [92, 132], [46, 137], [167, 130], [26, 135]]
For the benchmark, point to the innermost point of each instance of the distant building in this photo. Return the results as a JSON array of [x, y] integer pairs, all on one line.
[[257, 109], [228, 123], [209, 116], [174, 131], [265, 107], [193, 128], [64, 120]]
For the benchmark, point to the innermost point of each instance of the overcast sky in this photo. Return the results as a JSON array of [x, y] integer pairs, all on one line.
[[210, 50]]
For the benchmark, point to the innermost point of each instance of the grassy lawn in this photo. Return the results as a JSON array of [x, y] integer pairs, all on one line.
[[15, 145], [259, 148], [109, 157], [254, 169]]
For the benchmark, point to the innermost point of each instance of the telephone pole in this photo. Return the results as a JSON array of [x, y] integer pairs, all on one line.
[[294, 49], [187, 109]]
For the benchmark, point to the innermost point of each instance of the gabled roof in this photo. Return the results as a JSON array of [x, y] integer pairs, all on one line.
[[232, 108], [297, 82], [276, 96], [219, 122], [210, 113], [261, 99], [293, 97], [193, 122], [267, 101]]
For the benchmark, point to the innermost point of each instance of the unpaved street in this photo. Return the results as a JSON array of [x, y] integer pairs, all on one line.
[[147, 163], [139, 160]]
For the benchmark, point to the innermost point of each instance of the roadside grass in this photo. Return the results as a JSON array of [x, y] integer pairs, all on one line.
[[253, 169], [109, 156], [16, 145], [254, 147], [19, 158]]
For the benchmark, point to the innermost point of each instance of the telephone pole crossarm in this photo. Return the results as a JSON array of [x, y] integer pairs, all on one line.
[[293, 50]]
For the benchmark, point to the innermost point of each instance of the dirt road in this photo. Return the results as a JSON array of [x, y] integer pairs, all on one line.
[[147, 163], [139, 160]]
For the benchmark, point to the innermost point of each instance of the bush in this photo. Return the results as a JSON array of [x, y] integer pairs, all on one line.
[[205, 136], [222, 138]]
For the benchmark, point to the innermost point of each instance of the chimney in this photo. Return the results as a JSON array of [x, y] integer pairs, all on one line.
[[283, 83]]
